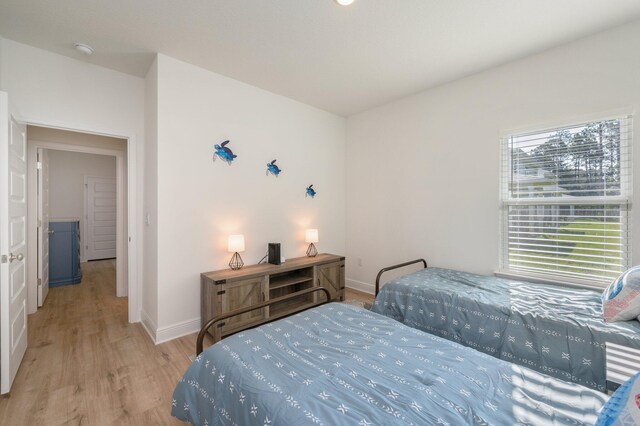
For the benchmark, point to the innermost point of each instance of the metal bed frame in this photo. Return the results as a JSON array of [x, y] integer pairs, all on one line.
[[399, 265], [212, 321], [218, 318]]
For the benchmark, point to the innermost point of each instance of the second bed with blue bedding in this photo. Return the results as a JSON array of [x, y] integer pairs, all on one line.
[[555, 330], [342, 365]]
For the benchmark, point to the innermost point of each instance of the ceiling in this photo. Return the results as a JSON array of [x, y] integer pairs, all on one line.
[[340, 59]]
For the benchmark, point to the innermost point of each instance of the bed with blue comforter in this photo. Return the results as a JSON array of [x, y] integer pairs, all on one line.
[[342, 365], [555, 330]]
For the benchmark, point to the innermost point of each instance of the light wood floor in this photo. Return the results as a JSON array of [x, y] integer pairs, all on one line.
[[361, 296], [86, 365]]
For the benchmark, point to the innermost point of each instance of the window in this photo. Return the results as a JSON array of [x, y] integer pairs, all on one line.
[[565, 202]]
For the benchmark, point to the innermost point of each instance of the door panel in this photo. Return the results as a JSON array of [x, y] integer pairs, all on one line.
[[101, 218], [19, 326], [17, 233], [18, 185], [242, 294], [18, 282], [43, 227], [331, 277], [13, 245]]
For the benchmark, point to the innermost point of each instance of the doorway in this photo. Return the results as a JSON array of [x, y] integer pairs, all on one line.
[[75, 160], [100, 217]]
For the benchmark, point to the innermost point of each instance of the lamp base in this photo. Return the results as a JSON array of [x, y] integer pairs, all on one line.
[[311, 251], [236, 261]]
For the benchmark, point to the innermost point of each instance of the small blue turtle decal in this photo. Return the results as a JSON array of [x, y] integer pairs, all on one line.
[[310, 191], [224, 153], [273, 168]]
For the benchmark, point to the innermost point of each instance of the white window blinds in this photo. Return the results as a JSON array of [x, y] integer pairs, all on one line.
[[565, 202]]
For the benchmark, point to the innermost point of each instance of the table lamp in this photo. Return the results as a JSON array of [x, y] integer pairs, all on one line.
[[236, 245], [311, 236]]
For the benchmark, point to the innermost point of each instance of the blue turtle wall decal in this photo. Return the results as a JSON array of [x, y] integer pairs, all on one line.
[[310, 191], [224, 152], [273, 168]]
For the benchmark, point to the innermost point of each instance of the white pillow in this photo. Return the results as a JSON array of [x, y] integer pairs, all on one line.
[[621, 300]]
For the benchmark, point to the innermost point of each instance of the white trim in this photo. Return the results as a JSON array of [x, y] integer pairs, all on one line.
[[170, 332], [121, 281], [76, 148], [5, 379], [121, 292], [576, 201], [148, 325], [85, 212], [624, 115], [32, 233], [569, 121], [360, 286], [134, 281]]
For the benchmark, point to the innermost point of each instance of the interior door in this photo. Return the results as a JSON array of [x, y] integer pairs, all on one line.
[[13, 244], [101, 218], [43, 225]]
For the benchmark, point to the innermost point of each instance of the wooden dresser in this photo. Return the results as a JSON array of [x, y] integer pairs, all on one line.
[[226, 290]]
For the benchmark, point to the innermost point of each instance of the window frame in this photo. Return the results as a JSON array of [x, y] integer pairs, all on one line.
[[505, 201]]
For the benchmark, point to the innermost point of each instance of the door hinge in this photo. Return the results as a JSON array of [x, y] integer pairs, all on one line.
[[39, 282], [4, 259], [39, 166]]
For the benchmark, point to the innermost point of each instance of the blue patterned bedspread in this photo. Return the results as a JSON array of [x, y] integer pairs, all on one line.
[[555, 330], [342, 365]]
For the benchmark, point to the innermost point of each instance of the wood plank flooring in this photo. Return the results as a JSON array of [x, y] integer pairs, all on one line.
[[358, 295], [86, 365]]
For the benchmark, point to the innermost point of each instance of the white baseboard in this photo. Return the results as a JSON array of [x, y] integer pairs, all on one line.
[[361, 286], [164, 334], [148, 325]]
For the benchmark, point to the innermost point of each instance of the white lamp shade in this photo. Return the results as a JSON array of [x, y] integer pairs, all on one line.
[[236, 243], [311, 236]]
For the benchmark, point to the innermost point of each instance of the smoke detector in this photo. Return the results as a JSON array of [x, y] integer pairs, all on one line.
[[85, 49]]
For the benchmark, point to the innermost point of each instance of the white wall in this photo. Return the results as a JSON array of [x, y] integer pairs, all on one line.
[[422, 172], [75, 138], [150, 231], [201, 202], [57, 91], [1, 67], [67, 172]]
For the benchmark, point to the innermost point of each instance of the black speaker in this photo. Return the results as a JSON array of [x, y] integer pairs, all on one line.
[[274, 253]]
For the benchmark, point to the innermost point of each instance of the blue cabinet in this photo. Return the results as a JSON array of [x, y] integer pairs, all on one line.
[[64, 253]]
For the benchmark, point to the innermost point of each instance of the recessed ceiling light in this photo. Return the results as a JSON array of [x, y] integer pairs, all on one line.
[[84, 48], [344, 2]]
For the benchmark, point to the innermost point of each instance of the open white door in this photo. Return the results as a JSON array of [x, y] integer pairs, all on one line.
[[101, 218], [43, 225], [13, 244]]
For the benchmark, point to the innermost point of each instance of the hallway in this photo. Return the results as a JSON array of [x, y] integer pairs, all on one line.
[[85, 364]]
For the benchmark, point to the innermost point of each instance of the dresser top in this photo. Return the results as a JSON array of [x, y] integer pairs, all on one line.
[[269, 269]]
